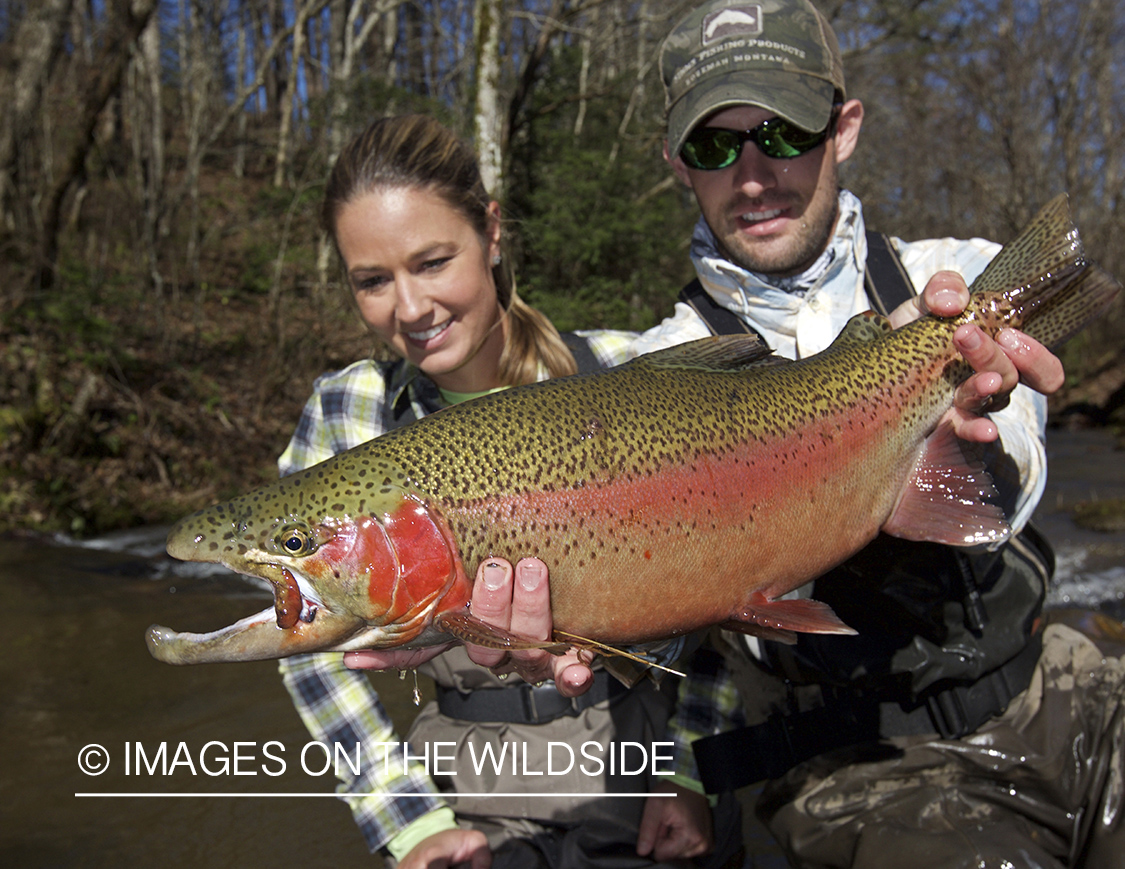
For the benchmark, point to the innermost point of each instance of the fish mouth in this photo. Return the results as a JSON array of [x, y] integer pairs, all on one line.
[[294, 600], [289, 603]]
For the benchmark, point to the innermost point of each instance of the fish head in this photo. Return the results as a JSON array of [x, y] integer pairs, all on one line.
[[346, 573]]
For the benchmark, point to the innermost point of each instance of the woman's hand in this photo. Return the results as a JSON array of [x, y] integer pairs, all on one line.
[[675, 827], [520, 601], [449, 848], [516, 600]]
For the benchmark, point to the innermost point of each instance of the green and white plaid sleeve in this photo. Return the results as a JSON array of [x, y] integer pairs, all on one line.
[[340, 708], [707, 704], [609, 346]]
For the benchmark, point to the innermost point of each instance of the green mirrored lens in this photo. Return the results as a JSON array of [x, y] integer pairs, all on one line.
[[717, 148], [711, 148], [781, 140]]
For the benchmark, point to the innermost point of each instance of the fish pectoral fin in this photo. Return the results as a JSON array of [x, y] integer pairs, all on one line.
[[470, 629], [946, 498], [782, 620]]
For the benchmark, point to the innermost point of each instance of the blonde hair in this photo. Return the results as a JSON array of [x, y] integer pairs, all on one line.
[[418, 152]]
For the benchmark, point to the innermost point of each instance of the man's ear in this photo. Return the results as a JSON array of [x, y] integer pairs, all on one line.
[[848, 123], [678, 167]]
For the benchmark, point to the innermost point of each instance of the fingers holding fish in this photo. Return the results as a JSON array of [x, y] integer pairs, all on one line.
[[1038, 367], [1013, 355], [531, 616], [945, 295], [1000, 365], [519, 600]]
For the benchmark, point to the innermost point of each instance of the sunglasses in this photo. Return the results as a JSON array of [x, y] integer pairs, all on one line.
[[717, 148]]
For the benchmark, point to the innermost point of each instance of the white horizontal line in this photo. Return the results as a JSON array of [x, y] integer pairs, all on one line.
[[372, 794]]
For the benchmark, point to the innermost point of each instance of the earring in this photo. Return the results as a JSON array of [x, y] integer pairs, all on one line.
[[496, 259]]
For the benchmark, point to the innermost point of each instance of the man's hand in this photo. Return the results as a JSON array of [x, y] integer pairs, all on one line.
[[1000, 364], [519, 601], [449, 848], [675, 827]]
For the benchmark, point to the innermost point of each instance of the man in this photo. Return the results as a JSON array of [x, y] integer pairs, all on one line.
[[953, 731]]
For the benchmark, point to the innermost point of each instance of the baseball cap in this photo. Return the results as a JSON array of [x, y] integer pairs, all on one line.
[[781, 55]]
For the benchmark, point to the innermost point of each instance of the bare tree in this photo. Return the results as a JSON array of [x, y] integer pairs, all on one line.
[[127, 21], [289, 105], [488, 115], [144, 96], [35, 45], [347, 41]]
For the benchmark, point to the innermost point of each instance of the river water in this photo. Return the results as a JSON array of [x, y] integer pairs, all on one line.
[[81, 688]]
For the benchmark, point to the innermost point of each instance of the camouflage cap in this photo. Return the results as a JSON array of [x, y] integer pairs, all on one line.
[[778, 54]]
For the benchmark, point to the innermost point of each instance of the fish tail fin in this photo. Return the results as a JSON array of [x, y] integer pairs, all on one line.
[[1063, 315], [1041, 282]]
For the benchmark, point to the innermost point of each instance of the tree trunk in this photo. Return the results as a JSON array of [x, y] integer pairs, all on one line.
[[289, 100], [346, 44], [128, 22], [36, 44], [147, 123], [488, 119]]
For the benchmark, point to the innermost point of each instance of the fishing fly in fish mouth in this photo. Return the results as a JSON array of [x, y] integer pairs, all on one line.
[[708, 461]]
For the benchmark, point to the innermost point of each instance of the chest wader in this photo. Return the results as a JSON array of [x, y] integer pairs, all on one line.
[[927, 660]]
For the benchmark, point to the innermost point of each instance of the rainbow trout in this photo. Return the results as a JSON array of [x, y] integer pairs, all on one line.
[[690, 487]]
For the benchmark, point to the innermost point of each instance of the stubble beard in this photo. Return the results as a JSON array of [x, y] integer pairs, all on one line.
[[796, 253]]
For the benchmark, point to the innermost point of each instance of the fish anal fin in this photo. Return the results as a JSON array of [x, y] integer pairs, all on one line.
[[469, 629], [946, 498], [781, 620], [716, 353]]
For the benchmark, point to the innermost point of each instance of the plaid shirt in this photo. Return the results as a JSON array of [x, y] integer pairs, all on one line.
[[338, 705], [799, 325]]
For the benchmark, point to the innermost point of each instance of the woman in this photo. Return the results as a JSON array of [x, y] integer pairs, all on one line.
[[421, 244]]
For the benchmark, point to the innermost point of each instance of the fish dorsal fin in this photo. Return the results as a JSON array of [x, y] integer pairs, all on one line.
[[1047, 247], [864, 328], [716, 353], [946, 499]]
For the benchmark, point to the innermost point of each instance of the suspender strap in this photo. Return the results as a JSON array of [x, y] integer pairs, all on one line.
[[719, 320], [579, 348], [886, 281]]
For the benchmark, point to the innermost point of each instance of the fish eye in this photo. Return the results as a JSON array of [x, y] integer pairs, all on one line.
[[295, 541]]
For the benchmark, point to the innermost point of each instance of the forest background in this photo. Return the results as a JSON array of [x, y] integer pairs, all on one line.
[[167, 295]]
